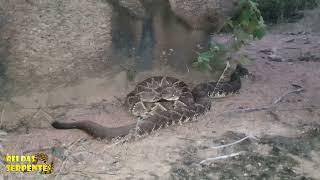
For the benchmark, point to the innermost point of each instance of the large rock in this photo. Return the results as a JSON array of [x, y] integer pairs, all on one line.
[[54, 40], [198, 14], [134, 7], [204, 14]]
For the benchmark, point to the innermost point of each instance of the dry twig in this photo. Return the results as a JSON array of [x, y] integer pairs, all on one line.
[[118, 99], [239, 141], [285, 94], [220, 78], [187, 68], [68, 150], [221, 157], [48, 117], [268, 107]]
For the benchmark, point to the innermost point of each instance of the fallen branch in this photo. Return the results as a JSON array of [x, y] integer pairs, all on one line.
[[268, 107], [239, 141], [297, 109], [245, 110], [221, 157], [285, 94], [220, 79]]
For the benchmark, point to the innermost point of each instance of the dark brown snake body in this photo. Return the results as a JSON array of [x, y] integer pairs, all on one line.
[[162, 101]]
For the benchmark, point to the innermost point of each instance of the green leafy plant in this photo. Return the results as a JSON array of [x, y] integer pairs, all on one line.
[[249, 19], [211, 58], [247, 24]]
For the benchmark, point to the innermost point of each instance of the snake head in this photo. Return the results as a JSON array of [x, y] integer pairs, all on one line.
[[241, 71]]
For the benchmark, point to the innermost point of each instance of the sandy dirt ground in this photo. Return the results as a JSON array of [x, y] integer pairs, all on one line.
[[283, 139]]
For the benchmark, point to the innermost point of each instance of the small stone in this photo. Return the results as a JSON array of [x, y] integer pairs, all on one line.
[[259, 164], [275, 58]]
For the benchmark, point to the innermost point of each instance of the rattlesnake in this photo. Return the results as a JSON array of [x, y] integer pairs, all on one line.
[[162, 101]]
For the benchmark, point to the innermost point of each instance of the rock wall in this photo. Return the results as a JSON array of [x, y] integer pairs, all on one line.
[[162, 39], [204, 14], [176, 44], [45, 43], [198, 14], [54, 39]]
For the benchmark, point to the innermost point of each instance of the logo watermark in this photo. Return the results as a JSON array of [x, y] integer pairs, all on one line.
[[28, 163]]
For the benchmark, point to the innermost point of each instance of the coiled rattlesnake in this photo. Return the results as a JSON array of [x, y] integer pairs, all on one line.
[[162, 101]]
